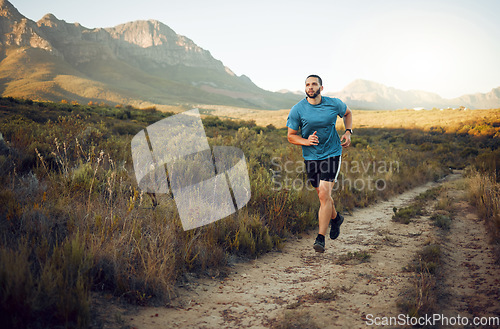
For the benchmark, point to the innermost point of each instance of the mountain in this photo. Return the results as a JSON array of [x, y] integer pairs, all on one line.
[[364, 94], [482, 101], [144, 63], [138, 63]]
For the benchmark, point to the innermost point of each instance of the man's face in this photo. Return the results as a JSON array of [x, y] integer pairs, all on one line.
[[313, 89]]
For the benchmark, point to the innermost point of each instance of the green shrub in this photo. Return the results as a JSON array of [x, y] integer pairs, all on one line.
[[441, 221], [405, 214]]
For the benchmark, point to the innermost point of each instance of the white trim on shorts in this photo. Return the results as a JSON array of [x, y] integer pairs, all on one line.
[[338, 168]]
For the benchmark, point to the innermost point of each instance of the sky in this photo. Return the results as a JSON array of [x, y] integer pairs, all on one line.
[[449, 47]]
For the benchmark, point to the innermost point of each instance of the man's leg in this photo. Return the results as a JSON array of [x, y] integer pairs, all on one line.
[[327, 208]]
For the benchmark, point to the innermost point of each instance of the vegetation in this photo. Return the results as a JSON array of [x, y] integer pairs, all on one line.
[[423, 295], [295, 320], [356, 257], [435, 121], [416, 208], [405, 214], [484, 193], [420, 299], [72, 219]]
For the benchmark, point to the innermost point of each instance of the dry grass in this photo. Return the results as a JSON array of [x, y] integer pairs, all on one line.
[[295, 320], [484, 194], [420, 298], [436, 120], [354, 258], [69, 203], [474, 122], [262, 118], [47, 289]]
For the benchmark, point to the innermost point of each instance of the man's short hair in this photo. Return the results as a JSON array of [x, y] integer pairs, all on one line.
[[315, 76]]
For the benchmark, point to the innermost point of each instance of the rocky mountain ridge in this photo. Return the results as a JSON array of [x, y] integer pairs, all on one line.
[[17, 30], [140, 62], [150, 39]]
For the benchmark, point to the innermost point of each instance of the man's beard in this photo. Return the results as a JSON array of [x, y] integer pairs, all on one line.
[[315, 94]]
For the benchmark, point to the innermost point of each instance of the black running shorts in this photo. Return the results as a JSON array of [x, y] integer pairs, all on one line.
[[327, 170]]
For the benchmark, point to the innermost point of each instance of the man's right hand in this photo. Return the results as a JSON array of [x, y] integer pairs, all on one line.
[[313, 139]]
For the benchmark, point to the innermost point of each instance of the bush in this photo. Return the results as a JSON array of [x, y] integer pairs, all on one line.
[[405, 214], [56, 294], [441, 221], [484, 193]]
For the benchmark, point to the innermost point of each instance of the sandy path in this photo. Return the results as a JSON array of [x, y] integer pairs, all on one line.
[[259, 293], [320, 290]]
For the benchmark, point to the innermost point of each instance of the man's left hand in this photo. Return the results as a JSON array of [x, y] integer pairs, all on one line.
[[346, 140]]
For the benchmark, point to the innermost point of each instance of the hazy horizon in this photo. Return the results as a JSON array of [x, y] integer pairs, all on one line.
[[446, 47]]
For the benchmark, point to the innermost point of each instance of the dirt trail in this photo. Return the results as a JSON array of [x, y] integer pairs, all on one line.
[[299, 281]]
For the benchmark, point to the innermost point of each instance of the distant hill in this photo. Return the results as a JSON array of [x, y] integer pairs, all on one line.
[[364, 94], [137, 63]]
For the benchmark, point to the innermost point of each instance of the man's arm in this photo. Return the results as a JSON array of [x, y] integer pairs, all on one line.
[[346, 137], [295, 139]]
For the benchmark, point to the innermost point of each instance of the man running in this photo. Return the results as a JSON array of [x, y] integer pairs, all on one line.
[[315, 116]]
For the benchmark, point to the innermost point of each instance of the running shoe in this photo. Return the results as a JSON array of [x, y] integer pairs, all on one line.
[[335, 226], [319, 246]]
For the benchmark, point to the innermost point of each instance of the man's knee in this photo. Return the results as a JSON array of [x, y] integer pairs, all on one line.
[[324, 195]]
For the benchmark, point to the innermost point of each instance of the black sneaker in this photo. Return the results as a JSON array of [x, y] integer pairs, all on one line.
[[319, 246], [335, 226]]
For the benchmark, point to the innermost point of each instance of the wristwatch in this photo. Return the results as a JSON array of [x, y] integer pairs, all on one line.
[[349, 130]]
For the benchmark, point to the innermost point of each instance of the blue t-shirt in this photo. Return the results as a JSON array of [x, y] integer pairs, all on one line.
[[321, 118]]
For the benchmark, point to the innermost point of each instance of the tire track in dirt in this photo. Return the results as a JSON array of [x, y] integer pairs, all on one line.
[[471, 284], [297, 280]]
